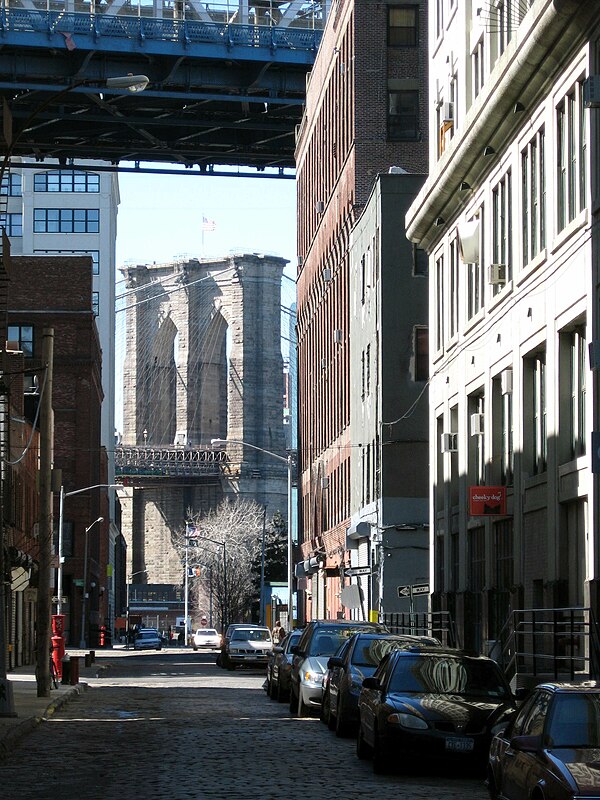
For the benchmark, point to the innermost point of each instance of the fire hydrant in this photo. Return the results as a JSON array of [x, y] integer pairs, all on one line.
[[58, 642]]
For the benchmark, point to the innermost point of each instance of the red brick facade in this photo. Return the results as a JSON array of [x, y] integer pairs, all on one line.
[[343, 143], [56, 292]]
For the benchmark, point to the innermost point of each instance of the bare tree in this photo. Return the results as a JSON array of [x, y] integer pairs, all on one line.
[[224, 544]]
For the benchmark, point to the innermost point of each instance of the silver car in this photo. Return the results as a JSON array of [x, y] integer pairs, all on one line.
[[249, 645], [147, 639]]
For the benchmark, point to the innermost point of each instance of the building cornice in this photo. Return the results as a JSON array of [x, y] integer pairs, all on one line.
[[549, 32]]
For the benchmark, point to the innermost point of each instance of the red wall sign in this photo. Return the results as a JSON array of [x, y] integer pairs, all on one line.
[[487, 501]]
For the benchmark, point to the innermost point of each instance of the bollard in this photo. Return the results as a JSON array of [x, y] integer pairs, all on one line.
[[66, 670], [88, 659], [74, 677], [93, 656]]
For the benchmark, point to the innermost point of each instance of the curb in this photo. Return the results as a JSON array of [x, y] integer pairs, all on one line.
[[13, 736]]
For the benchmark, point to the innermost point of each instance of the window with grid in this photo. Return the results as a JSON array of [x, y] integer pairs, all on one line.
[[403, 28], [535, 411], [403, 115], [505, 23], [12, 223], [66, 220], [96, 303], [66, 181], [478, 68], [23, 335], [533, 197], [571, 149], [11, 185], [502, 227]]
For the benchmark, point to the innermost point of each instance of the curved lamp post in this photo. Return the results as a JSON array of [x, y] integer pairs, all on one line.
[[216, 443], [82, 642]]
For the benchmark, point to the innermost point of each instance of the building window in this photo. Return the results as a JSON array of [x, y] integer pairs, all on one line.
[[475, 273], [571, 154], [505, 23], [439, 303], [439, 17], [403, 26], [454, 289], [533, 197], [368, 370], [96, 303], [66, 181], [66, 220], [421, 354], [11, 185], [577, 379], [403, 115], [535, 411], [13, 223], [95, 254], [478, 68], [23, 336], [476, 440], [502, 227], [507, 463]]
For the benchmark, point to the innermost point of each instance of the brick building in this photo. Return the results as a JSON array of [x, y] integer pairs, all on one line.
[[56, 292], [365, 112]]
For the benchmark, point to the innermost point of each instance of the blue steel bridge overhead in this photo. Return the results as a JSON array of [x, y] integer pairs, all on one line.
[[227, 79]]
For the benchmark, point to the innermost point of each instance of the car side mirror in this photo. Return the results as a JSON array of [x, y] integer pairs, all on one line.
[[526, 744], [521, 693], [277, 649], [334, 661], [371, 683]]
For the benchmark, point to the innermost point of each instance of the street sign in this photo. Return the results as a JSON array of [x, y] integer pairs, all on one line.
[[55, 599], [352, 572], [411, 591]]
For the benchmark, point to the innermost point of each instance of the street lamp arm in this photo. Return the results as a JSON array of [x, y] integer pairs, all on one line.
[[219, 442], [95, 486]]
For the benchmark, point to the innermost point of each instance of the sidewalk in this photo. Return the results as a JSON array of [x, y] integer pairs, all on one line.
[[30, 709]]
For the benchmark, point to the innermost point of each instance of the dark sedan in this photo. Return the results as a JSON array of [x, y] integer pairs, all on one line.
[[357, 659], [279, 666], [432, 703], [551, 749]]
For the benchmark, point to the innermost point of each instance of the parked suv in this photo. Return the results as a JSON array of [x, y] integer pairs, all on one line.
[[248, 645], [320, 640]]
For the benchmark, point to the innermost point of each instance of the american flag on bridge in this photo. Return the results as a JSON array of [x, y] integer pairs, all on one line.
[[208, 224]]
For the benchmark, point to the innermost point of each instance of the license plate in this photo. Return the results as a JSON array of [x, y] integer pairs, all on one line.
[[460, 744]]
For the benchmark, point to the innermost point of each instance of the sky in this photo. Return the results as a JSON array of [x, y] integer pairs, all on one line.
[[160, 219]]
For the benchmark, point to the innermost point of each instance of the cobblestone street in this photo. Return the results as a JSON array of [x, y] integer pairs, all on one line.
[[173, 725]]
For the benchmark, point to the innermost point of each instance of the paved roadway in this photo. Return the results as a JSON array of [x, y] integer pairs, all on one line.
[[173, 725]]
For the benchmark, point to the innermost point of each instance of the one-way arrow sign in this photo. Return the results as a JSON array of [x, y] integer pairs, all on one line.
[[411, 591], [351, 572]]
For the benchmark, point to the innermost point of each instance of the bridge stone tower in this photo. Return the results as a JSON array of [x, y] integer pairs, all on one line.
[[203, 361]]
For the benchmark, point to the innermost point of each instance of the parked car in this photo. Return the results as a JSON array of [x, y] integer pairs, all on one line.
[[550, 748], [357, 659], [434, 703], [279, 666], [206, 638], [147, 639], [248, 645], [320, 640]]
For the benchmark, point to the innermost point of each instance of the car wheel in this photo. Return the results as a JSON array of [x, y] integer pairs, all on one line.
[[293, 701], [272, 690], [219, 661], [363, 750], [332, 718], [341, 726], [491, 786], [325, 711], [380, 759], [303, 708], [195, 648], [280, 695]]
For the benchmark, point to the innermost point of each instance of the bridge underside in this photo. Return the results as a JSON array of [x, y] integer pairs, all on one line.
[[219, 94]]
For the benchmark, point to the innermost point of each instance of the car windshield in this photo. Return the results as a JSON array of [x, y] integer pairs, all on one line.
[[328, 640], [446, 674], [369, 650], [206, 633], [251, 635], [575, 720], [293, 640], [147, 635]]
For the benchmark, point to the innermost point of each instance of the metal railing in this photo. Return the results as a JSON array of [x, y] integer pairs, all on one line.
[[169, 461], [427, 623], [549, 643]]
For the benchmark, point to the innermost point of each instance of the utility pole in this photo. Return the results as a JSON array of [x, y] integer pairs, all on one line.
[[44, 607]]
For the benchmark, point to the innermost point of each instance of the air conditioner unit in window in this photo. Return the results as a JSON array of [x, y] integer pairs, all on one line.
[[449, 442], [337, 336], [326, 274], [497, 274], [476, 424], [506, 381], [30, 384], [447, 112], [319, 206]]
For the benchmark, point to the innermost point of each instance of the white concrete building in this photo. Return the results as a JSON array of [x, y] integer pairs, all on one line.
[[508, 218]]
